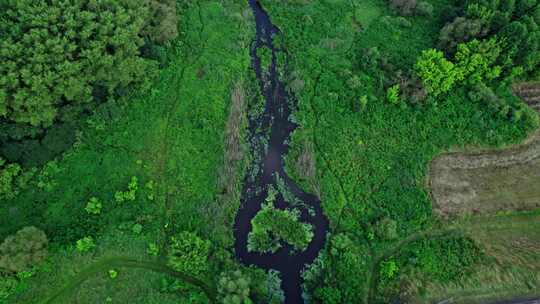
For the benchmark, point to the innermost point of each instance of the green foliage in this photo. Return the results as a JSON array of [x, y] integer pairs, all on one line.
[[444, 260], [377, 164], [93, 206], [363, 101], [271, 226], [152, 249], [162, 24], [58, 56], [275, 293], [392, 94], [234, 288], [130, 194], [508, 106], [85, 244], [389, 270], [461, 30], [7, 286], [137, 228], [113, 273], [386, 229], [8, 179], [477, 60], [329, 295], [189, 253], [287, 195], [265, 56], [176, 128], [348, 260], [410, 7], [22, 250], [513, 24], [437, 73]]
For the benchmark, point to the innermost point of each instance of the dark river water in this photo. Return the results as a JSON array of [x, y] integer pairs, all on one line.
[[275, 118]]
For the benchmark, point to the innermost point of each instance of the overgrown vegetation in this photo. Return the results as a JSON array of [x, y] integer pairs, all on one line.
[[122, 148], [396, 101], [144, 168], [272, 226]]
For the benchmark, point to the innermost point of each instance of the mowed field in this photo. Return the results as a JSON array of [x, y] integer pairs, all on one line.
[[487, 182]]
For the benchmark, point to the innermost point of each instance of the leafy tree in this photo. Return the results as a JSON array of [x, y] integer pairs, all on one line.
[[461, 30], [514, 24], [334, 278], [437, 73], [387, 229], [424, 8], [233, 288], [22, 250], [189, 253], [477, 60], [163, 22]]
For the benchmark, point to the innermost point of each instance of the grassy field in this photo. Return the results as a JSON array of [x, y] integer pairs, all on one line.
[[512, 245], [172, 138]]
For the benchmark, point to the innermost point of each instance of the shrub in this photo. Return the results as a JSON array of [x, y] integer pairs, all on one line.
[[8, 285], [24, 249], [389, 270], [271, 226], [93, 206], [130, 194], [392, 94], [411, 88], [85, 244]]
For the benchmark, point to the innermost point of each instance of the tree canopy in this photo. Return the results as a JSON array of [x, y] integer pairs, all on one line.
[[60, 57]]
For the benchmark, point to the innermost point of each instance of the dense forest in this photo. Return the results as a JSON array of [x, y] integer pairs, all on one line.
[[388, 149]]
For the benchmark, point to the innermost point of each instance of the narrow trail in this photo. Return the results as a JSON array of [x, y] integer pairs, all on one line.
[[275, 119]]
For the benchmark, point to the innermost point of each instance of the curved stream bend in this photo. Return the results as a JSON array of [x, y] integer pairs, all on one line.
[[275, 119]]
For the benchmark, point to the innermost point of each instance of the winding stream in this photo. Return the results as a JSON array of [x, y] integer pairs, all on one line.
[[275, 118]]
